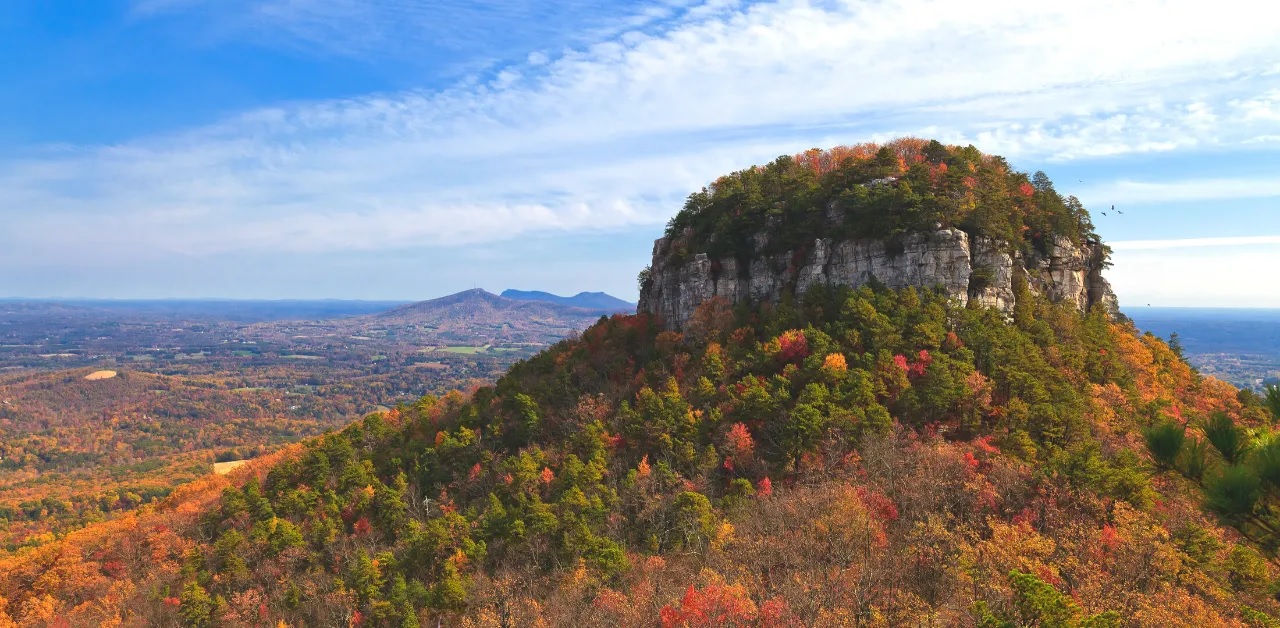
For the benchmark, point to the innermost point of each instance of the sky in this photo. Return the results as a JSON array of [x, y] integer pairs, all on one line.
[[401, 149]]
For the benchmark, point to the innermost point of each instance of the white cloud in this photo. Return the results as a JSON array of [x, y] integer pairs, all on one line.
[[1265, 107], [406, 29], [1205, 189], [1189, 243], [617, 133], [1210, 277]]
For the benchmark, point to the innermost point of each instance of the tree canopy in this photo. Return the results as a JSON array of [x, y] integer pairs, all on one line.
[[876, 191], [857, 456]]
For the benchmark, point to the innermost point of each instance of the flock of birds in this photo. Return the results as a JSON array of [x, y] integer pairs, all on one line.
[[1117, 211], [1113, 207]]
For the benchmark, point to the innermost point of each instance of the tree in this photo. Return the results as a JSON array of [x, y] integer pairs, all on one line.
[[1039, 604], [450, 591], [1164, 441], [364, 577], [1266, 463], [197, 607], [1271, 398], [802, 430], [1233, 493], [695, 520], [1195, 459], [714, 605], [1226, 437]]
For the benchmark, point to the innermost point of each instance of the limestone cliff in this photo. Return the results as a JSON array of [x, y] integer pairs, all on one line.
[[967, 269]]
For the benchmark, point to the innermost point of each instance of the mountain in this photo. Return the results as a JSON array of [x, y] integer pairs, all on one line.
[[872, 220], [966, 268], [826, 456], [588, 300], [480, 317]]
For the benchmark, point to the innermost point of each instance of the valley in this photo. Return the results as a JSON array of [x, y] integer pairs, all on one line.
[[106, 406], [647, 314], [918, 407], [1241, 346]]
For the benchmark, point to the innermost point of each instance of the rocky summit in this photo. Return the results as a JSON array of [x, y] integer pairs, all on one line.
[[909, 213], [967, 269], [968, 437]]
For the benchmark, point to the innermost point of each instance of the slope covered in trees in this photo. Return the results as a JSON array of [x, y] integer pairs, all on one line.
[[880, 192], [861, 457], [857, 457], [75, 450]]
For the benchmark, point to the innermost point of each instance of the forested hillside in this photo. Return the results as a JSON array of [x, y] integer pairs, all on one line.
[[855, 457], [163, 389], [76, 450], [879, 191]]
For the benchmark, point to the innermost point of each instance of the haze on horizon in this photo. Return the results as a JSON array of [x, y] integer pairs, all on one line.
[[402, 150]]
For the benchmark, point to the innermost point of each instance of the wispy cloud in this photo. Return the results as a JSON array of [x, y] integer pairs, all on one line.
[[1187, 243], [1187, 190], [1264, 107], [616, 133], [405, 29]]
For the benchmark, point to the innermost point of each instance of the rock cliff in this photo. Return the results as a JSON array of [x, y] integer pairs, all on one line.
[[967, 269]]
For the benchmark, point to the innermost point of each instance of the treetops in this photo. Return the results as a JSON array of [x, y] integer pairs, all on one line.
[[887, 191], [862, 454], [842, 457]]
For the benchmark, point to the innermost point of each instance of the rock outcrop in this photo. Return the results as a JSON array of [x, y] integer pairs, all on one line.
[[966, 269]]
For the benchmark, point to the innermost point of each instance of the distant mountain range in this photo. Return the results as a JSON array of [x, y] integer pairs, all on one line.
[[477, 317], [589, 300], [241, 310]]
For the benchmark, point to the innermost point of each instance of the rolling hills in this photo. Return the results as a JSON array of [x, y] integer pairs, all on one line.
[[600, 301], [477, 316], [107, 406], [837, 455]]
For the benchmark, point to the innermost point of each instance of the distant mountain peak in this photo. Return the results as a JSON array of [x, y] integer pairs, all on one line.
[[479, 316], [589, 300]]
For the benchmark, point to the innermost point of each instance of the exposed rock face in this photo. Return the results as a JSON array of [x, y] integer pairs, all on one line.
[[980, 270]]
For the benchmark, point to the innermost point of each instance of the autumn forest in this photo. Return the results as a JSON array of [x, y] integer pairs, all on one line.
[[849, 457]]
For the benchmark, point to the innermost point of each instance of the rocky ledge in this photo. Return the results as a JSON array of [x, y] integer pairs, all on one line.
[[967, 269]]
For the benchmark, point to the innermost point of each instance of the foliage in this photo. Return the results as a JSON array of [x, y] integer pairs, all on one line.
[[852, 457], [1165, 441], [1271, 397], [740, 455], [1228, 439], [875, 191], [1233, 493]]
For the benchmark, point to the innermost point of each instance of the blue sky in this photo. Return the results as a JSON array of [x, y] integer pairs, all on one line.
[[400, 149]]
